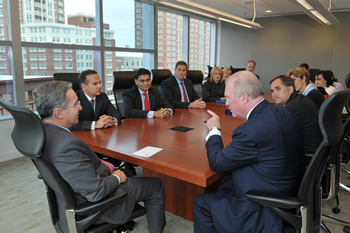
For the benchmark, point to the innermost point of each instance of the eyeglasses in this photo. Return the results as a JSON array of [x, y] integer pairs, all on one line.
[[76, 105]]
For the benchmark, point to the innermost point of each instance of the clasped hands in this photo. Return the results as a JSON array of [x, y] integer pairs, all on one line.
[[104, 122], [163, 112]]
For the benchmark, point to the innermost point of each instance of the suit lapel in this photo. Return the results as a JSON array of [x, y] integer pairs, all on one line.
[[188, 89], [138, 102], [87, 107], [152, 99], [176, 89]]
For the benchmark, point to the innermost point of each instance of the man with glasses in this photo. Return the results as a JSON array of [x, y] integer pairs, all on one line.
[[98, 111], [144, 101], [89, 178]]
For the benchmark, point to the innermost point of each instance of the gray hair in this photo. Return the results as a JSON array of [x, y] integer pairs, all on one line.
[[246, 82], [51, 95]]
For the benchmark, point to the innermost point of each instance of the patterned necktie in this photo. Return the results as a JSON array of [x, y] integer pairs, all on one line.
[[92, 103], [184, 92], [147, 107]]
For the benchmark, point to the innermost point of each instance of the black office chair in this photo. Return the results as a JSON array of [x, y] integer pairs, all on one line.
[[307, 205], [234, 70], [196, 76], [122, 80], [68, 77], [347, 81], [159, 75], [29, 135]]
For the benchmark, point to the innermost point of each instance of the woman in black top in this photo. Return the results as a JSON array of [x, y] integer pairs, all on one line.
[[214, 88]]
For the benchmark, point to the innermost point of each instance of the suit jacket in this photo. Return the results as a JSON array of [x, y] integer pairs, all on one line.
[[88, 177], [133, 105], [171, 92], [306, 113], [213, 91], [317, 97], [265, 154], [103, 106]]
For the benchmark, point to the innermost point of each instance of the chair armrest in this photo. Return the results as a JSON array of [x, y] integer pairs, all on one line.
[[273, 199], [92, 207]]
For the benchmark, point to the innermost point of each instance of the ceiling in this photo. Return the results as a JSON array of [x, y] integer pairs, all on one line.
[[245, 8]]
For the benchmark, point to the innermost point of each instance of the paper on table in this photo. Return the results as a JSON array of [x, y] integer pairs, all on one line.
[[148, 151]]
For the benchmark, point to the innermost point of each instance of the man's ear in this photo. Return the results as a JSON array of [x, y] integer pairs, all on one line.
[[245, 98], [57, 113], [135, 82], [83, 86], [291, 89]]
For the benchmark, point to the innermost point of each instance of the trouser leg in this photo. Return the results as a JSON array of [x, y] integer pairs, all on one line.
[[202, 218], [150, 190]]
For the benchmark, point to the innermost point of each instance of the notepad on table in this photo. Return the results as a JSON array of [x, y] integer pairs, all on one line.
[[148, 151]]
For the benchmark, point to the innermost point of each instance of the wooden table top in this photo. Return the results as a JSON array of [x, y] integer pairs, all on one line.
[[184, 156]]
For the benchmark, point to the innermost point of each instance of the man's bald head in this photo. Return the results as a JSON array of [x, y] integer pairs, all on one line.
[[245, 82]]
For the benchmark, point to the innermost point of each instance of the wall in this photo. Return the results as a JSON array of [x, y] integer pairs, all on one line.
[[286, 42], [8, 150]]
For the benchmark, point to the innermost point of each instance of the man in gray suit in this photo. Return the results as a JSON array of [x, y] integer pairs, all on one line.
[[90, 179]]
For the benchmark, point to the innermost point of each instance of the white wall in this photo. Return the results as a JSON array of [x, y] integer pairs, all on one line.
[[8, 150], [286, 42]]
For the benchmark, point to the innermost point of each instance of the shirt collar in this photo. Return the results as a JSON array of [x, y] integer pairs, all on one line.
[[89, 98], [178, 80], [141, 92], [253, 108]]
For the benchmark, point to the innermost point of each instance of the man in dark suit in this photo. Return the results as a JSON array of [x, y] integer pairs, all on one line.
[[98, 111], [144, 101], [90, 179], [303, 108], [265, 154], [251, 67], [179, 91]]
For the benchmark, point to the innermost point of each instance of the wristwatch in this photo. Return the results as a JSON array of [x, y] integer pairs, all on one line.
[[215, 128], [115, 120]]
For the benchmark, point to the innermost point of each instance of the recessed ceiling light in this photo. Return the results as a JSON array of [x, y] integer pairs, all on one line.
[[268, 11]]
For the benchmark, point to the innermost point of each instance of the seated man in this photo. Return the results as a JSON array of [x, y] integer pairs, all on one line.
[[144, 101], [251, 67], [98, 111], [303, 108], [265, 154], [90, 179], [179, 91]]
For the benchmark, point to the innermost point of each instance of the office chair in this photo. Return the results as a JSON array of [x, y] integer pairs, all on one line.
[[159, 75], [347, 81], [307, 205], [29, 135], [234, 70], [123, 80], [196, 76], [68, 77]]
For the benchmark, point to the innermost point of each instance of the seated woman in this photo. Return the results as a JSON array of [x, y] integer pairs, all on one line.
[[227, 73], [339, 86], [324, 79], [303, 84], [214, 88]]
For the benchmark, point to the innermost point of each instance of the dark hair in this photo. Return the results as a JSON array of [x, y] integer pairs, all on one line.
[[333, 78], [306, 66], [327, 76], [252, 61], [286, 81], [51, 95], [82, 76], [181, 63], [140, 72]]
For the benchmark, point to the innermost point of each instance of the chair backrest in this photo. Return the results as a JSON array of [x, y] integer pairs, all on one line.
[[28, 136], [196, 76], [347, 81], [234, 70], [123, 80], [159, 75], [332, 128], [68, 77]]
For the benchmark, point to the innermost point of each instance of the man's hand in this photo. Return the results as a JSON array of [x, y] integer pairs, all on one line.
[[198, 104], [214, 121], [121, 175], [163, 112], [104, 122]]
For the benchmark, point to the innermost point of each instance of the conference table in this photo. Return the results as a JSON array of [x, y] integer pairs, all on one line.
[[182, 165]]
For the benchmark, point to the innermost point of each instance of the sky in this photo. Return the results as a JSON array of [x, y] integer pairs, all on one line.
[[119, 14]]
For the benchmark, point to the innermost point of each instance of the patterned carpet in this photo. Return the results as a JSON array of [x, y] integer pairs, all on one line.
[[23, 203]]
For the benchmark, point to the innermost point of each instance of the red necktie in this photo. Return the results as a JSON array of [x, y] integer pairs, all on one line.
[[184, 92], [147, 107]]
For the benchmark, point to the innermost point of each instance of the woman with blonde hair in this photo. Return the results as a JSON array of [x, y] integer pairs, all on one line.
[[227, 73], [302, 84], [214, 88]]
